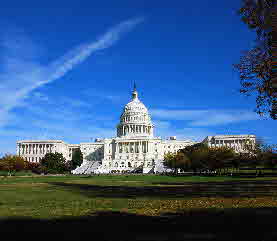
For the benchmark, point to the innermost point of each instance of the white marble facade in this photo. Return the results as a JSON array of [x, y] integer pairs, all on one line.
[[134, 147], [237, 142]]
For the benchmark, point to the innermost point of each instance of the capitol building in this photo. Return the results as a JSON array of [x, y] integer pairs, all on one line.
[[135, 147]]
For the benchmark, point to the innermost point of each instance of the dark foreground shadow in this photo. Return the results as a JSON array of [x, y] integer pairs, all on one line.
[[177, 190], [230, 224]]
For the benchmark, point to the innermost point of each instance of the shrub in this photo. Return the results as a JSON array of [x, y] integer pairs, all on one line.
[[34, 167], [53, 163], [12, 163]]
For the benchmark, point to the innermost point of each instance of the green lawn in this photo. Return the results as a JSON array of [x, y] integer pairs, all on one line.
[[59, 196], [66, 207]]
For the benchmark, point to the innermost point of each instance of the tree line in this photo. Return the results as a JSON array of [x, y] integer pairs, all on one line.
[[51, 163], [201, 157]]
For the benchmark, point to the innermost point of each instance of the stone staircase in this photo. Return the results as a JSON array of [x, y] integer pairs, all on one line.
[[138, 169], [160, 168], [87, 167]]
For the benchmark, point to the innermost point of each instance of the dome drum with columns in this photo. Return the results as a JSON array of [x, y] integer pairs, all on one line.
[[135, 147], [135, 120]]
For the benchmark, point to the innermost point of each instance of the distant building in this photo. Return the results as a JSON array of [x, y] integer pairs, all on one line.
[[134, 147], [236, 142]]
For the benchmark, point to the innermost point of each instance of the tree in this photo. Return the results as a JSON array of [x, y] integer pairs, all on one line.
[[197, 154], [212, 158], [177, 161], [34, 167], [255, 65], [259, 153], [268, 156], [53, 163], [77, 159], [220, 157], [12, 163]]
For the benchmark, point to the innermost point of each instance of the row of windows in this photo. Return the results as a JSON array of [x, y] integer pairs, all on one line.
[[32, 159], [175, 146], [228, 141], [128, 164], [130, 118]]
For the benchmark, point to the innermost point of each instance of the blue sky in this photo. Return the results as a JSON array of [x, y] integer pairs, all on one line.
[[67, 69]]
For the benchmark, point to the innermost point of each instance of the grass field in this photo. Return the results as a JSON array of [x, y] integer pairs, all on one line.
[[118, 201]]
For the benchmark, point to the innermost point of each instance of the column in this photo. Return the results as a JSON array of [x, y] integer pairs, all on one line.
[[145, 147], [17, 149]]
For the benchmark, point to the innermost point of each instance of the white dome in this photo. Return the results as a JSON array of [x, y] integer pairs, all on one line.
[[135, 119], [135, 106]]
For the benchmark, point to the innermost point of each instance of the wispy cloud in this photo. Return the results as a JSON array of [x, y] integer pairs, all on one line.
[[205, 117], [22, 71]]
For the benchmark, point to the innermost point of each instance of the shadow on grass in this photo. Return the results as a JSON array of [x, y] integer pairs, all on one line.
[[208, 224], [180, 190]]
